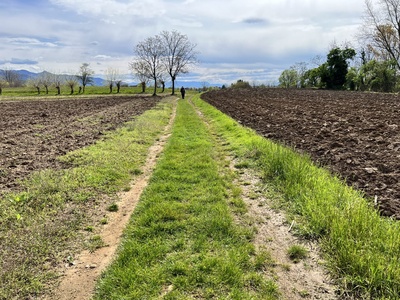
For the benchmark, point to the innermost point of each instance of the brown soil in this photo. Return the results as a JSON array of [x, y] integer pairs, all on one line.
[[355, 135], [34, 132]]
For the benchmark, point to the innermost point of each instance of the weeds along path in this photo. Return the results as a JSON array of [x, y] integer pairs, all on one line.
[[297, 279], [79, 280]]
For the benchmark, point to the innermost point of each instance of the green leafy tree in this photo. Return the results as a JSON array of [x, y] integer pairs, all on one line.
[[241, 84], [312, 77], [377, 76], [333, 74], [288, 78]]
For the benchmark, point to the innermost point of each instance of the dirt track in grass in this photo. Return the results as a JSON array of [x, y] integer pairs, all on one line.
[[355, 135], [79, 279]]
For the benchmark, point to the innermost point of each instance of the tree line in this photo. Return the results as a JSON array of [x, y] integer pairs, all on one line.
[[166, 55], [374, 67], [45, 80]]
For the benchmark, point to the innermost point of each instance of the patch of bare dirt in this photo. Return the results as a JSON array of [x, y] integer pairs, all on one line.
[[356, 135], [306, 279], [79, 278]]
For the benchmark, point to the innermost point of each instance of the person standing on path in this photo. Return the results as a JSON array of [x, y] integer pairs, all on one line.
[[183, 92]]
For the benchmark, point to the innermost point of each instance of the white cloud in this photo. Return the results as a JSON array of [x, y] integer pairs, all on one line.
[[253, 38], [30, 42], [112, 8]]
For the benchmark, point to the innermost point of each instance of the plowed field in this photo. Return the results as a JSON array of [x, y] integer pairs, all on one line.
[[34, 133], [355, 135]]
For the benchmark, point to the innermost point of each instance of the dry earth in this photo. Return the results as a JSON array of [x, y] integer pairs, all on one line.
[[356, 135]]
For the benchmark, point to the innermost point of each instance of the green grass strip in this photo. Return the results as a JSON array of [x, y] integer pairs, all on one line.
[[362, 248], [37, 226], [182, 241], [30, 92]]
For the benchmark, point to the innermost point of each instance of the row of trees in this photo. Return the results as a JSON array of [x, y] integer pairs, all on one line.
[[168, 54], [46, 80], [375, 68], [11, 78]]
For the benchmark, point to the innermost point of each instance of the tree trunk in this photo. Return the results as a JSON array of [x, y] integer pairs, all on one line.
[[58, 90], [118, 87], [47, 89], [111, 86], [38, 90], [173, 85], [155, 88]]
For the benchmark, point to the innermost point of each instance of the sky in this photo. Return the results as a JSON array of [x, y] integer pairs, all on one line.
[[252, 40]]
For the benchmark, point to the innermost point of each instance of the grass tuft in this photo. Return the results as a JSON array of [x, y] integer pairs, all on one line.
[[113, 207], [297, 253]]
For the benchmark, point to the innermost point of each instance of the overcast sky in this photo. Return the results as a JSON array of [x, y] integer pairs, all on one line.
[[252, 40]]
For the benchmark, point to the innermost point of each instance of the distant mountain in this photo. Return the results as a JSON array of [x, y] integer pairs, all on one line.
[[26, 75], [195, 84], [97, 81]]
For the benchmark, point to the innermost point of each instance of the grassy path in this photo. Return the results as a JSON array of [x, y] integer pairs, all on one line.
[[182, 241], [196, 232], [187, 239]]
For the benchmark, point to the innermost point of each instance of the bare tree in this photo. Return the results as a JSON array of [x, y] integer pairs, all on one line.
[[71, 82], [161, 80], [111, 78], [139, 72], [3, 84], [12, 77], [179, 54], [148, 61], [46, 79], [85, 75], [301, 69], [57, 81], [118, 84], [36, 82], [381, 30]]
